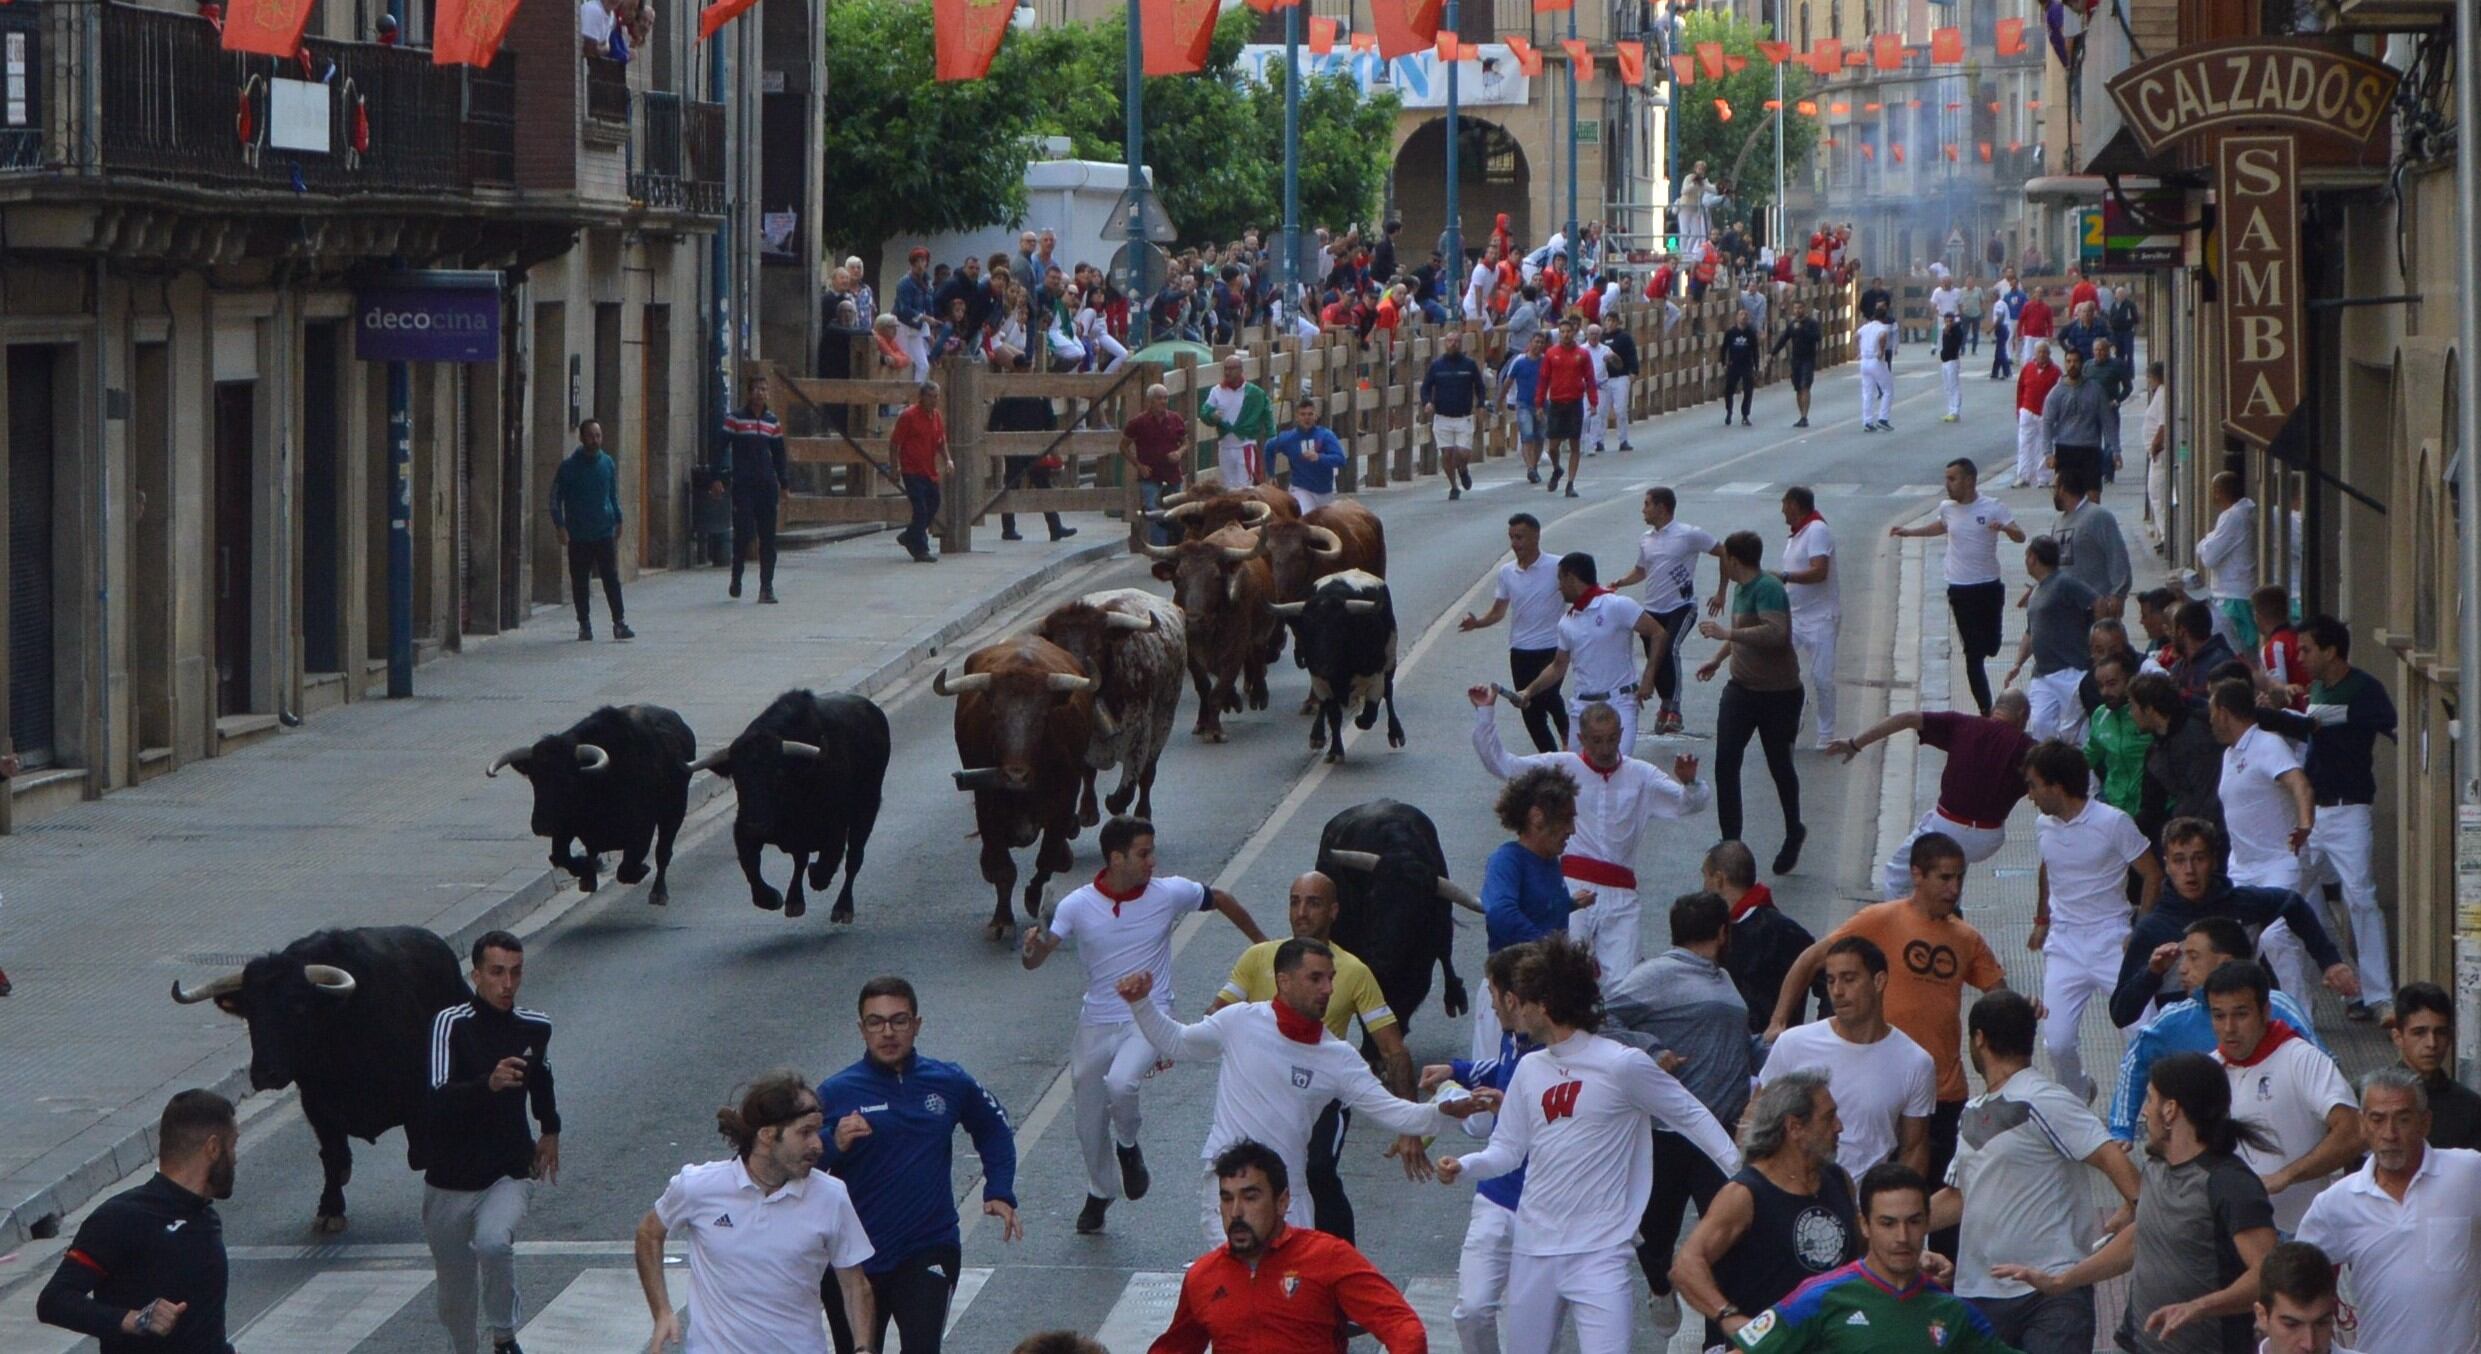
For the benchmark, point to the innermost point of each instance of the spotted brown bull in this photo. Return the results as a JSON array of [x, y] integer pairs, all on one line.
[[1024, 719], [1225, 592]]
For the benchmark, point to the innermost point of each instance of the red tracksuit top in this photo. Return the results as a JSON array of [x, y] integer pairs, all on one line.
[[1295, 1302], [1567, 376]]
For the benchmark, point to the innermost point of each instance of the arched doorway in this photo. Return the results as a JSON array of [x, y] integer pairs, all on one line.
[[1492, 177]]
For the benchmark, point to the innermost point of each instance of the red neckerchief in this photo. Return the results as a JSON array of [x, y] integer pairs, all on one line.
[[1116, 898], [1758, 896], [1295, 1026], [1586, 598], [1814, 516], [2278, 1033]]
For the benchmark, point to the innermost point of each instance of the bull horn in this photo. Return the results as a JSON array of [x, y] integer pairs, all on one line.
[[1364, 861], [1287, 609], [712, 761], [328, 978], [1459, 895], [220, 987], [1255, 512], [1257, 546], [972, 681], [1333, 547], [592, 758], [1162, 552], [1174, 499], [1183, 510], [1104, 724], [806, 751], [1069, 683], [508, 758], [1121, 620], [1359, 606]]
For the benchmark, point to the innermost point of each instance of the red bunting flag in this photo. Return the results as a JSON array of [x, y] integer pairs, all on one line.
[[1887, 52], [1826, 56], [1776, 52], [1710, 58], [1528, 59], [2014, 146], [1840, 109], [1735, 64], [1831, 143], [1868, 151], [468, 32], [1468, 51], [1913, 103], [1985, 152], [966, 34], [1806, 108], [272, 27], [2011, 37], [1946, 46], [1263, 6], [1445, 44], [1950, 151], [1871, 107], [1722, 110], [1774, 105], [1546, 6], [1898, 148], [1994, 105], [1406, 28], [1856, 60], [1684, 71], [1321, 36], [1580, 59], [1632, 62], [2032, 103], [1365, 42], [1177, 34], [1953, 106]]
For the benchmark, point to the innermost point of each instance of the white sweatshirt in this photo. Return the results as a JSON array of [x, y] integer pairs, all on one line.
[[1612, 808]]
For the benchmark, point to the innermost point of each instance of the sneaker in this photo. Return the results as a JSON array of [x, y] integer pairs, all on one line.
[[1571, 489], [1533, 476], [1454, 493], [1727, 420], [1624, 445], [1597, 448], [1465, 473], [1667, 722], [766, 596], [1868, 427], [1947, 418], [925, 557], [734, 590], [508, 1346], [1801, 422], [1010, 536], [1090, 1218], [1885, 426], [585, 630], [1663, 1314], [1134, 1180], [1593, 453], [1554, 484], [621, 630], [1063, 533], [1788, 859]]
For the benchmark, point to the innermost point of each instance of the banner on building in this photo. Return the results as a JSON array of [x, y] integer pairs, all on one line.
[[1177, 33], [965, 34], [1495, 77], [267, 27], [428, 315]]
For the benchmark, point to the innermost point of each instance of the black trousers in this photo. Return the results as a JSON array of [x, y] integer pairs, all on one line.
[[1033, 477], [1547, 710], [753, 517], [914, 1295], [923, 492], [1682, 1175], [1945, 1122], [1977, 608], [1773, 717], [1330, 1210], [1667, 674], [1744, 381], [600, 559]]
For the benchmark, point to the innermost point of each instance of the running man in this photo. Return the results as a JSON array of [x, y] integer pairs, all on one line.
[[1977, 789], [1739, 354], [1881, 1303], [1817, 600], [1527, 593], [1563, 392], [1593, 639], [1243, 419], [1877, 350], [1311, 453], [1972, 522], [1516, 390], [2087, 848], [1802, 334], [1451, 395], [1667, 564]]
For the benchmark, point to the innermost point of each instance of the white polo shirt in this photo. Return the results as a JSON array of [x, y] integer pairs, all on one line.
[[2415, 1264], [2288, 1094], [1118, 938], [1534, 603], [1876, 1086], [1973, 539], [2258, 813], [1601, 655], [1812, 601], [756, 1259], [1669, 555], [1946, 300], [2087, 858]]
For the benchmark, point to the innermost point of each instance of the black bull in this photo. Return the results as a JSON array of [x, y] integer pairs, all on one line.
[[1395, 905], [807, 776], [617, 780]]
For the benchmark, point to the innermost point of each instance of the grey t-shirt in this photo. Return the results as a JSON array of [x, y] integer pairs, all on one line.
[[2059, 617], [2020, 1154], [2186, 1216], [2092, 548]]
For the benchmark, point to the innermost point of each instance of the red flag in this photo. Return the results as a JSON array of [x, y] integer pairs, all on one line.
[[1735, 64], [1887, 52], [1840, 109], [1952, 106], [1871, 107], [1528, 59], [1898, 148], [2032, 103], [270, 27], [1985, 152], [1365, 42], [1946, 46], [2014, 146], [1994, 105], [1684, 70], [1868, 151], [1580, 58], [1407, 27], [1468, 51], [2011, 37], [1632, 62], [1710, 57], [1722, 110], [1444, 44], [468, 32], [1826, 56], [1855, 60], [1950, 151], [1913, 103], [1177, 34], [1831, 143], [1774, 105], [1321, 36], [1806, 108], [966, 34], [1776, 52], [1263, 6], [1543, 6]]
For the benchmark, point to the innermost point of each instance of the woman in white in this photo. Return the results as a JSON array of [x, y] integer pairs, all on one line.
[[1093, 331], [1067, 354], [1004, 341]]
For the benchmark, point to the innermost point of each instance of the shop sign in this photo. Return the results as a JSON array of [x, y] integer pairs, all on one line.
[[2260, 235]]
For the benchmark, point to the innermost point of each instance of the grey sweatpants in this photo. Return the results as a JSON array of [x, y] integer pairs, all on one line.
[[475, 1232]]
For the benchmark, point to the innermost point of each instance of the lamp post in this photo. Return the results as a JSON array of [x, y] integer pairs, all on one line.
[[1451, 280], [1141, 305], [1569, 259], [1292, 160]]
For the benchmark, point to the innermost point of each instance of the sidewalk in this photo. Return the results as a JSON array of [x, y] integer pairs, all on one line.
[[378, 813]]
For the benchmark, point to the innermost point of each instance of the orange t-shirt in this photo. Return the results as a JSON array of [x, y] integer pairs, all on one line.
[[1928, 964]]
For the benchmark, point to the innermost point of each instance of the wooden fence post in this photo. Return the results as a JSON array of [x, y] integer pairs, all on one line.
[[967, 414]]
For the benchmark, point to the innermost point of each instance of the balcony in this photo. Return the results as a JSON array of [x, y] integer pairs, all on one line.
[[679, 155], [607, 99]]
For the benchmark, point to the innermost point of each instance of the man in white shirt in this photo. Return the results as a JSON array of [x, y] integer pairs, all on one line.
[[1576, 1118], [594, 34], [1609, 410], [1667, 557], [1972, 522], [754, 1282], [2228, 554], [1526, 592], [1817, 605], [1885, 1086], [1281, 1065], [1616, 796], [1594, 641], [2081, 919], [1946, 301], [1877, 350], [2283, 1086], [2157, 444], [1123, 924], [2269, 807], [1241, 421], [2407, 1225], [2297, 1306], [2017, 1185], [1478, 286]]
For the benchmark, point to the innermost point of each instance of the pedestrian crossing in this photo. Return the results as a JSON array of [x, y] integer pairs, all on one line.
[[1827, 493]]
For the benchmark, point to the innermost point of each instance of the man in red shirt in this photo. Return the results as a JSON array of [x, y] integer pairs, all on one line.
[[919, 442], [2080, 291], [1156, 444], [1278, 1289], [1659, 287], [2033, 324], [2033, 383], [1565, 389]]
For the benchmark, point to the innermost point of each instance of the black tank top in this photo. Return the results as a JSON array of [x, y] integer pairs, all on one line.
[[1792, 1238]]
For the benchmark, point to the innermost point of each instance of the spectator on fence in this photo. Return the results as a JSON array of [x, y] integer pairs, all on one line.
[[1004, 340]]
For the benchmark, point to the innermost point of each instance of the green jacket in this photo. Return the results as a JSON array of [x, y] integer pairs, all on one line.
[[1257, 417], [2117, 748]]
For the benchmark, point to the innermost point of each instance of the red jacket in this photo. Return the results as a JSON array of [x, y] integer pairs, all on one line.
[[2034, 321], [2033, 384], [1658, 287], [2083, 292], [1295, 1302], [1567, 376]]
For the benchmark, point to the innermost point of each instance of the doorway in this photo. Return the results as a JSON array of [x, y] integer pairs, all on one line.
[[33, 690], [322, 559], [150, 538], [236, 447]]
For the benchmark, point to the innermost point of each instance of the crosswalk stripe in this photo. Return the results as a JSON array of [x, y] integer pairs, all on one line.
[[969, 1284], [335, 1310], [1916, 490], [20, 1333], [1835, 490], [1743, 487], [602, 1310], [1143, 1310]]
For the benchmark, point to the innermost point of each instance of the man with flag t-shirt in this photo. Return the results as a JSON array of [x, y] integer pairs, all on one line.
[[1881, 1303]]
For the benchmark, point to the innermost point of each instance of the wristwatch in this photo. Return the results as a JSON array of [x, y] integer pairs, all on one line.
[[1726, 1312]]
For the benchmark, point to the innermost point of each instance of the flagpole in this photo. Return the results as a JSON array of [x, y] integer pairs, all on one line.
[[1569, 259], [1141, 303], [1292, 160], [1780, 237], [1452, 278]]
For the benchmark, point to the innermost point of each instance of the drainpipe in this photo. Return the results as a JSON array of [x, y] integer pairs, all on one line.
[[99, 763], [2468, 573], [718, 285]]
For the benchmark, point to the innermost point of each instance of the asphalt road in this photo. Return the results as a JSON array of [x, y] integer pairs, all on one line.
[[660, 1013]]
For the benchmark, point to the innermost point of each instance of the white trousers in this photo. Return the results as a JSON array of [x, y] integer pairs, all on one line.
[[2056, 711], [1609, 928], [2158, 496], [2277, 947], [2025, 343], [1877, 392], [1238, 461], [917, 346], [1105, 1066], [1308, 503], [2030, 449], [1116, 355], [1596, 1287], [1813, 640], [1613, 412], [1979, 843], [1482, 1276], [1951, 381], [1624, 703], [473, 1233], [2338, 849], [2077, 966]]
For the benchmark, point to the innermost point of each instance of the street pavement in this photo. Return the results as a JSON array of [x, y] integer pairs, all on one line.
[[660, 1014]]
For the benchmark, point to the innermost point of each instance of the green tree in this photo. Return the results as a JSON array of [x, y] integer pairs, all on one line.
[[1742, 151], [1344, 146]]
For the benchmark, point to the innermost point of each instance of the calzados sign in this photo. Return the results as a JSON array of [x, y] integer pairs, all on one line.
[[2256, 85]]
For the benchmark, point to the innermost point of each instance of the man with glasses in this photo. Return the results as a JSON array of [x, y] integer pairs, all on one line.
[[894, 1116]]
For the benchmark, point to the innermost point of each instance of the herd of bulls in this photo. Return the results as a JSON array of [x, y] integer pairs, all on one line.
[[346, 1014]]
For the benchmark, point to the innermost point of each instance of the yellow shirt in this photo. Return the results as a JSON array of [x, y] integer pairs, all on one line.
[[1356, 988]]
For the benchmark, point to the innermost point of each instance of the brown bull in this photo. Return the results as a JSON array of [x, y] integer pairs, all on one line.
[[1024, 716], [1225, 590], [1333, 539], [1136, 642], [1201, 512]]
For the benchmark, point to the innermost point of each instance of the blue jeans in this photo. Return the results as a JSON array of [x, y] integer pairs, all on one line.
[[1150, 497], [923, 493]]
